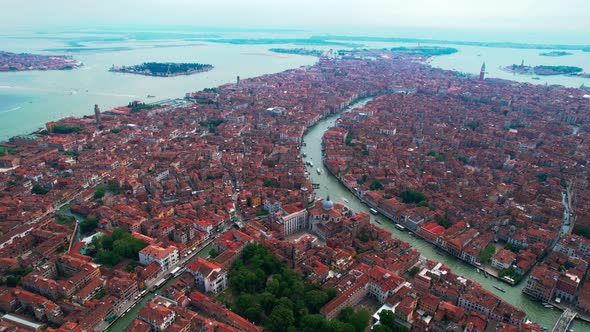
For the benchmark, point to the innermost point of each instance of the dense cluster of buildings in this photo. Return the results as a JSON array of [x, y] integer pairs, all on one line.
[[493, 160], [561, 276], [180, 174], [25, 61]]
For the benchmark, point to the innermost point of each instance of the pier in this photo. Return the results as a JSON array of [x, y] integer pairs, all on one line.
[[564, 321]]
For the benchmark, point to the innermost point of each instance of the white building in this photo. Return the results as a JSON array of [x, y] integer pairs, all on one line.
[[158, 316], [503, 259], [293, 219], [209, 277], [166, 257]]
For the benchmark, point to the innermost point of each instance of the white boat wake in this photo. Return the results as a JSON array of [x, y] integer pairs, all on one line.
[[10, 110]]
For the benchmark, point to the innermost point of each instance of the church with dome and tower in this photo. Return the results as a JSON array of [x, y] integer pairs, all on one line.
[[329, 218], [323, 219]]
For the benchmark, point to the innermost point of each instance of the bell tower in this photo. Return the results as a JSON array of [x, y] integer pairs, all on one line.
[[482, 72]]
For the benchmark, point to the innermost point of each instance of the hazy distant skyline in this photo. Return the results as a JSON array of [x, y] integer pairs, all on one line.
[[546, 15]]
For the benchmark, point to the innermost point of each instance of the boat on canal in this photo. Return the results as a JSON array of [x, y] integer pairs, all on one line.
[[500, 289]]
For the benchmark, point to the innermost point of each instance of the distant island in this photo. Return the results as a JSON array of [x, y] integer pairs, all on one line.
[[425, 50], [298, 51], [26, 61], [270, 41], [356, 39], [163, 69], [418, 50], [556, 70], [555, 53], [543, 70]]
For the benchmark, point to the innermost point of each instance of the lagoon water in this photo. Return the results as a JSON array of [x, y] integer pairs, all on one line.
[[30, 99]]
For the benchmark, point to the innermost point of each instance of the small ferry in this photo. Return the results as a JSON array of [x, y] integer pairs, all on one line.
[[373, 211], [500, 289], [319, 171], [400, 227]]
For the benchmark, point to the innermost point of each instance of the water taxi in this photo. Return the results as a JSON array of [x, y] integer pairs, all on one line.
[[500, 289], [400, 227], [508, 279], [373, 211]]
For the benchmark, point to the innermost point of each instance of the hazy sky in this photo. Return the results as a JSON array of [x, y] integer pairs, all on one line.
[[562, 15]]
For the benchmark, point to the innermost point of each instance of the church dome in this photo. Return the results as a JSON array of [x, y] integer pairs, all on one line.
[[327, 204]]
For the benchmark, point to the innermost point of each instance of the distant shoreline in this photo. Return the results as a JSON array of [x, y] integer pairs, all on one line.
[[585, 48], [14, 62], [167, 69]]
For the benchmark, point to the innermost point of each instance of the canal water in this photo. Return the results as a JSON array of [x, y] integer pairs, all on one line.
[[329, 185], [121, 323]]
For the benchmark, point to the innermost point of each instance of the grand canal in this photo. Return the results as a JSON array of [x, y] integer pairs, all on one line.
[[330, 185]]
